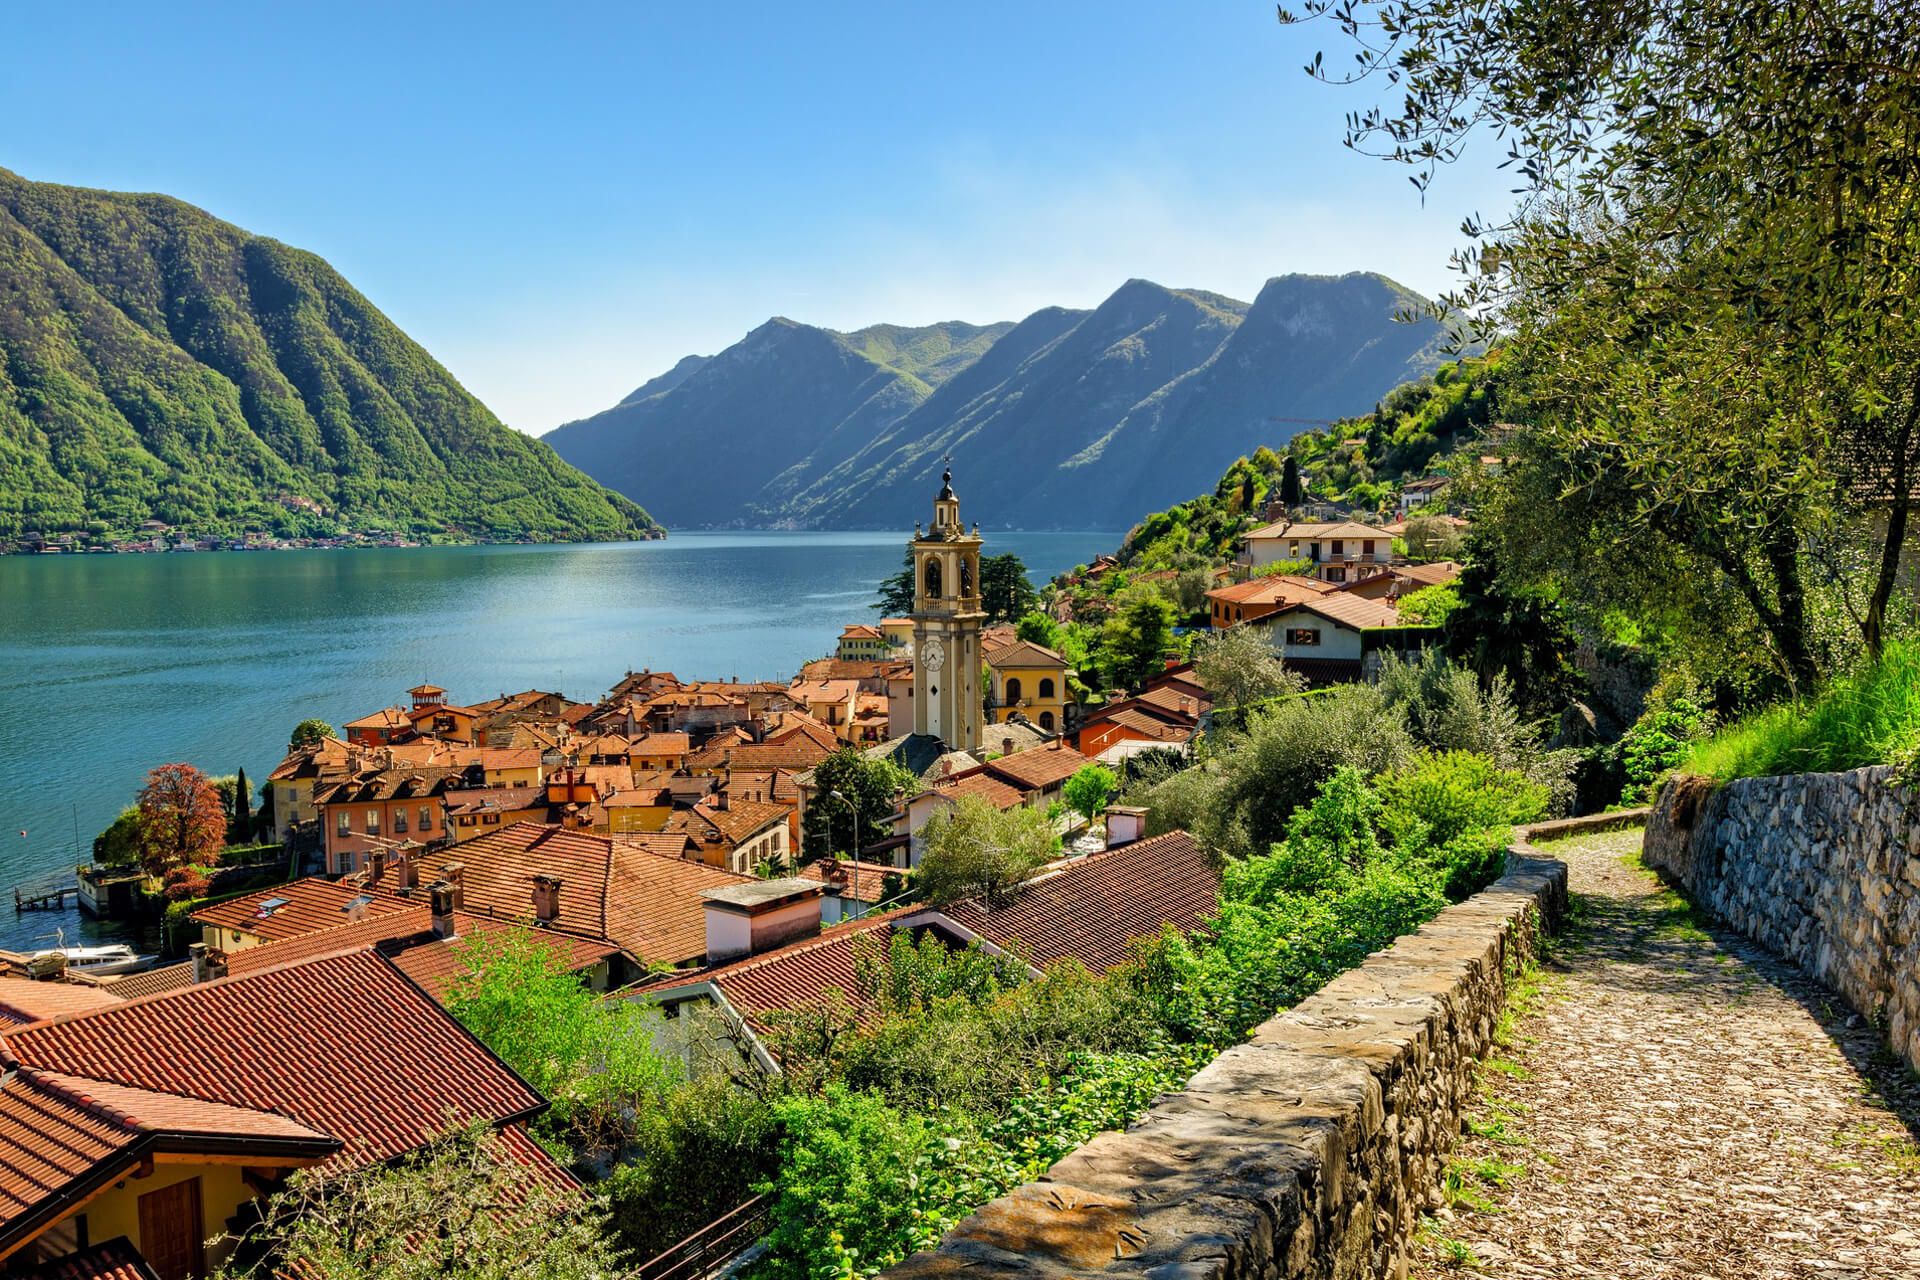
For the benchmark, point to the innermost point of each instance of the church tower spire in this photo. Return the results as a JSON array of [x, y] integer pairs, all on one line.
[[947, 619]]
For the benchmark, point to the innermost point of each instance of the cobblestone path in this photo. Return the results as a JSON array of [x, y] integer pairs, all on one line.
[[1674, 1102]]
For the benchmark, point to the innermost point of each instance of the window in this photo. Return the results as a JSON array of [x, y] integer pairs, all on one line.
[[1046, 721], [373, 822], [345, 825], [1336, 575], [346, 863], [1339, 547], [1303, 635], [1366, 547], [1046, 687], [933, 578], [1013, 689], [426, 817], [400, 822]]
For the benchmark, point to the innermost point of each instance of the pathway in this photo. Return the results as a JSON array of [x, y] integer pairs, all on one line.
[[1674, 1102]]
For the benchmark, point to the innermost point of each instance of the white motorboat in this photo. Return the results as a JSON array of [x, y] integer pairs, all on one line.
[[101, 961]]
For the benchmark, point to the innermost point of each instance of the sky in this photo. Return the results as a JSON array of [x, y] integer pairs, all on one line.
[[560, 201]]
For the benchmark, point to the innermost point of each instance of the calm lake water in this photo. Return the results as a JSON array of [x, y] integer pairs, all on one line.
[[110, 665]]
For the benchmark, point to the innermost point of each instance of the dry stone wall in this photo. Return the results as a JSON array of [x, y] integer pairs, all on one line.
[[1822, 869], [1310, 1151]]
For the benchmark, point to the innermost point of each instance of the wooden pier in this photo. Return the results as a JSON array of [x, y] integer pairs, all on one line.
[[44, 897]]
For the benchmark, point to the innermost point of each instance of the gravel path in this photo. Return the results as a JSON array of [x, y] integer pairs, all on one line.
[[1673, 1102]]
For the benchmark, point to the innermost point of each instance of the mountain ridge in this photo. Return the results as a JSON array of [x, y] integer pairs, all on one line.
[[1058, 420], [159, 363]]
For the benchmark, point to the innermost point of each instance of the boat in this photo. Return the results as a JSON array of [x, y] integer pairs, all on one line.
[[101, 961]]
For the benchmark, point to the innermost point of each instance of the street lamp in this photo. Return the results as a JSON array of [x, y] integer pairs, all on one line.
[[853, 805]]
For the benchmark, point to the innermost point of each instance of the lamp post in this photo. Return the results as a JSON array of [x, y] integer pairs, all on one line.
[[855, 807]]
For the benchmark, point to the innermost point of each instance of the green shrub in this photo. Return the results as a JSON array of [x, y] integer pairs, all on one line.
[[1871, 716], [1659, 742]]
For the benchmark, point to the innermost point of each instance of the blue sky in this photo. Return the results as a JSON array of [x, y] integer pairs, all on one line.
[[560, 201]]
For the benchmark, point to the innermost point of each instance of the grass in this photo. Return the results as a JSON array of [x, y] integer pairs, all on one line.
[[1869, 717]]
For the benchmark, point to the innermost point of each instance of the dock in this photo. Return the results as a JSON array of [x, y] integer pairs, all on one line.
[[46, 896]]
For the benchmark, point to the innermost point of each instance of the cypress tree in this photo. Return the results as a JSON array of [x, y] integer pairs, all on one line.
[[240, 829]]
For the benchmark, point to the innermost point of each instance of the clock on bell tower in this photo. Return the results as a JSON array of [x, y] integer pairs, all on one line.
[[946, 625]]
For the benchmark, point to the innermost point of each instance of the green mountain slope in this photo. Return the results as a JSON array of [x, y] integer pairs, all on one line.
[[157, 363], [1069, 419]]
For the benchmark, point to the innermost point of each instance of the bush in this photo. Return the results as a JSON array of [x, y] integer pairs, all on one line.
[[1659, 742], [1455, 813], [1869, 717]]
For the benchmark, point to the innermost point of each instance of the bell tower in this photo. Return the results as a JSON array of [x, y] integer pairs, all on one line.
[[946, 625]]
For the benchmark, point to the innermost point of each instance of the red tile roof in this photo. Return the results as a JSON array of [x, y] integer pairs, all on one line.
[[1092, 908], [793, 975], [1273, 589], [646, 904], [1039, 767], [117, 1259], [1025, 653], [981, 784], [23, 1000], [341, 1054], [306, 905], [1347, 610]]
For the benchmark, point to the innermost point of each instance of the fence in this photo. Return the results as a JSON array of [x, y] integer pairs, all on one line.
[[710, 1248]]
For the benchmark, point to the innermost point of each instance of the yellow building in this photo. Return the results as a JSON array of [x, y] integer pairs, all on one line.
[[641, 810], [897, 632], [1030, 680], [861, 643]]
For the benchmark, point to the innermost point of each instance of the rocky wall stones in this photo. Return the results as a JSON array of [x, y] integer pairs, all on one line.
[[1310, 1151], [1822, 869]]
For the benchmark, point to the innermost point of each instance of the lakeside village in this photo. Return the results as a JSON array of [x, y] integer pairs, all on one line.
[[724, 856]]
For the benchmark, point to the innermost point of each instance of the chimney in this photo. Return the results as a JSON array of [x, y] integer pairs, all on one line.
[[455, 874], [720, 799], [441, 894], [1125, 824], [1006, 745], [546, 898], [209, 963], [747, 919], [406, 871], [376, 866]]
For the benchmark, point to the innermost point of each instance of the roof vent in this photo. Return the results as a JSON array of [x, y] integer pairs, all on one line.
[[746, 919]]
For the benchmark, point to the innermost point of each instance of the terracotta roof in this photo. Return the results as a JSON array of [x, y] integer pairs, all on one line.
[[799, 752], [1174, 702], [303, 906], [311, 762], [983, 785], [1430, 575], [232, 1065], [1272, 589], [1147, 726], [516, 701], [646, 904], [1025, 653], [384, 718], [1039, 767], [740, 821], [648, 797], [166, 977], [665, 844], [1341, 607], [858, 881], [385, 784], [116, 1259], [659, 744], [824, 690], [23, 1000], [496, 799], [786, 726], [1091, 909], [997, 637], [790, 976], [1305, 531], [859, 631]]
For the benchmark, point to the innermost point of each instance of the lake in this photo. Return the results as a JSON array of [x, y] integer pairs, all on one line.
[[110, 665]]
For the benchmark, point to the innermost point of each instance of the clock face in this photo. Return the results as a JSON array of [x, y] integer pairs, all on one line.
[[935, 654]]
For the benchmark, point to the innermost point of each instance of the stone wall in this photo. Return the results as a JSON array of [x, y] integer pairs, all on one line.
[[1310, 1151], [1822, 869]]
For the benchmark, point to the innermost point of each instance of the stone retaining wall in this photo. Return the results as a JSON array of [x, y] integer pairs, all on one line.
[[1822, 869], [1310, 1151]]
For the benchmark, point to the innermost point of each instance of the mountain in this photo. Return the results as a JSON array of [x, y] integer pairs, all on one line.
[[729, 440], [1068, 419], [158, 363]]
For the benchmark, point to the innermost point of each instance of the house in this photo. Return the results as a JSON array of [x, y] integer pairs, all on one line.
[[831, 702], [387, 725], [474, 812], [373, 808], [1323, 639], [1087, 909], [695, 712], [735, 834], [1035, 777], [1337, 550], [898, 632], [657, 751], [433, 716], [1258, 597], [788, 726], [1027, 679], [861, 642], [640, 809], [336, 1062], [1400, 579], [290, 786], [286, 911], [492, 766], [1416, 494], [853, 889], [579, 883]]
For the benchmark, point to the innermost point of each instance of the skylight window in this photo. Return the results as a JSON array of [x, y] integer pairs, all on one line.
[[360, 901], [268, 907]]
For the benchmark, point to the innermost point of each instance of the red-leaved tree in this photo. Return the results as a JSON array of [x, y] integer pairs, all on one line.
[[181, 819]]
